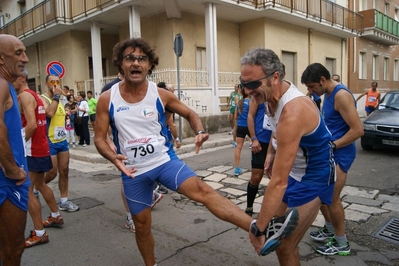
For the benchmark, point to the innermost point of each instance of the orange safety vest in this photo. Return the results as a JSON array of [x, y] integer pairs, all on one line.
[[372, 98]]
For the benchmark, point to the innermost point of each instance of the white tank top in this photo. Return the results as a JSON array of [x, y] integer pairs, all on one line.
[[139, 129]]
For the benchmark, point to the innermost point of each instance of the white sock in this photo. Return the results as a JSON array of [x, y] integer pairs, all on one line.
[[128, 215], [40, 233], [55, 214], [63, 200]]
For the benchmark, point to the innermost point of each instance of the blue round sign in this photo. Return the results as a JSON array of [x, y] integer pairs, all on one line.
[[55, 68]]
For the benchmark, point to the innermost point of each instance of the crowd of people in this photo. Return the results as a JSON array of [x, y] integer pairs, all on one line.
[[306, 153]]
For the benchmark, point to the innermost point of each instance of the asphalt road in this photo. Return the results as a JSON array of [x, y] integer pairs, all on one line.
[[186, 233]]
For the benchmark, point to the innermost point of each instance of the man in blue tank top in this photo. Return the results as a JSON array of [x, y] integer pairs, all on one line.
[[299, 162], [14, 181], [341, 117]]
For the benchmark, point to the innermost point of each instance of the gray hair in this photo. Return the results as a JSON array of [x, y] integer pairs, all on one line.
[[265, 58]]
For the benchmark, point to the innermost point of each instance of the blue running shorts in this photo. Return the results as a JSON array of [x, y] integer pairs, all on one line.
[[138, 190], [39, 164], [299, 193], [58, 147], [18, 195]]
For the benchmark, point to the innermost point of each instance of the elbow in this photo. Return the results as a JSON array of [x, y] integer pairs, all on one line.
[[360, 132]]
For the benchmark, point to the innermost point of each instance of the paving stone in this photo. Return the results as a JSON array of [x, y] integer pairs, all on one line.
[[362, 201], [216, 177], [214, 185], [259, 199], [366, 209], [354, 191], [220, 168], [355, 216], [245, 176], [203, 173], [231, 171], [390, 206], [319, 221], [393, 199], [374, 256], [233, 191], [256, 207], [234, 181], [345, 204], [265, 181]]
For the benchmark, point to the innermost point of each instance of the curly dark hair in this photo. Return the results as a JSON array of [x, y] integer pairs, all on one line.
[[141, 43]]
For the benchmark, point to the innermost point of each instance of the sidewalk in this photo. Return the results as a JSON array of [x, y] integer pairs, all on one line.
[[90, 154]]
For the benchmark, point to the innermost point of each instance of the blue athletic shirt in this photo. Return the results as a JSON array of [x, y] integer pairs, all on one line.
[[335, 123], [314, 162], [12, 120], [263, 130], [242, 120]]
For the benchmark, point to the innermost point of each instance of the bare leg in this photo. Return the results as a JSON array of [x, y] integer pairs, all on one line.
[[144, 237], [50, 175], [63, 169], [218, 205], [46, 192], [12, 240], [337, 213], [237, 154], [288, 253]]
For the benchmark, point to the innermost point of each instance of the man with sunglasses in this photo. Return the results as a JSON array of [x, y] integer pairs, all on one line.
[[299, 161], [135, 109], [59, 148], [341, 117]]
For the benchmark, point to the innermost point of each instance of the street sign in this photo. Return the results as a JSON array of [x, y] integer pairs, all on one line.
[[55, 68]]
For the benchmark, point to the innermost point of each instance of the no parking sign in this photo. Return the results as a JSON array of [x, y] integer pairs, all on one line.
[[55, 68]]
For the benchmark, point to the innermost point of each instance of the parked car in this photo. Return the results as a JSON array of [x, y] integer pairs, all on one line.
[[381, 127]]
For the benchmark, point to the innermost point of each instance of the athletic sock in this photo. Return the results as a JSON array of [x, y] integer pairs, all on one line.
[[40, 233], [329, 227], [251, 194], [342, 241]]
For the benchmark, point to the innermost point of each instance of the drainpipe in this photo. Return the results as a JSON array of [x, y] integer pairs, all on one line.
[[38, 78]]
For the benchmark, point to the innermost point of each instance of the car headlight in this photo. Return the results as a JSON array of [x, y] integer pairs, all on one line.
[[369, 127]]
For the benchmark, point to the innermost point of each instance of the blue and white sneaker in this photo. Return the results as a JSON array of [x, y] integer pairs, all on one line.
[[237, 171], [332, 247], [278, 229], [234, 144]]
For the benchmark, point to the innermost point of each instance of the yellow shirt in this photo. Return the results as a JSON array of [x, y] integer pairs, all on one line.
[[56, 125]]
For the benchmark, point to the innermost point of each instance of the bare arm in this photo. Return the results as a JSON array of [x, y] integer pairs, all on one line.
[[253, 107], [10, 168], [28, 105], [102, 140], [345, 106], [360, 96]]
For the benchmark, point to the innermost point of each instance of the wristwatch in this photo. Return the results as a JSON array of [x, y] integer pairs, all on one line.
[[200, 132], [333, 145], [254, 138], [255, 230]]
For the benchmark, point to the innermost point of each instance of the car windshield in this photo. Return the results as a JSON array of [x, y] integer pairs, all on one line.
[[390, 100]]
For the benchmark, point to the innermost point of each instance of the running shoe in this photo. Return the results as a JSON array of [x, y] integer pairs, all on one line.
[[34, 240], [332, 247], [53, 222], [74, 146], [234, 144], [278, 229], [130, 225], [231, 132], [162, 189], [36, 193], [237, 171], [156, 197], [321, 234], [250, 145], [68, 206], [249, 211]]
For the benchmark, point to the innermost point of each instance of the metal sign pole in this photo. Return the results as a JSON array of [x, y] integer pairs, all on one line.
[[178, 48]]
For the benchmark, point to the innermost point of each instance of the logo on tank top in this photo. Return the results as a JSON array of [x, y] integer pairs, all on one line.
[[122, 109], [147, 112]]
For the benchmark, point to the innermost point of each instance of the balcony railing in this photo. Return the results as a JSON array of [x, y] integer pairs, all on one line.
[[321, 10], [50, 12], [377, 20]]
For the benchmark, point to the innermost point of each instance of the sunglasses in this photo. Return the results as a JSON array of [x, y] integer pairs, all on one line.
[[254, 84], [52, 82], [132, 58]]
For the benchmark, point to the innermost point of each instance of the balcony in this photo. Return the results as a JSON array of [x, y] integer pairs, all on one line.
[[380, 28], [321, 15]]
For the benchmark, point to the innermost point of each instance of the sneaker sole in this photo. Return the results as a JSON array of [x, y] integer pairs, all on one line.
[[37, 244], [158, 200], [68, 210], [320, 238], [289, 226], [131, 230], [52, 225]]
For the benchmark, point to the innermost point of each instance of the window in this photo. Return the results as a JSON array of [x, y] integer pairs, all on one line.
[[386, 68], [1, 21], [374, 67], [374, 4], [386, 11], [396, 70], [397, 13], [362, 5], [289, 61], [330, 65], [362, 66], [200, 58]]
